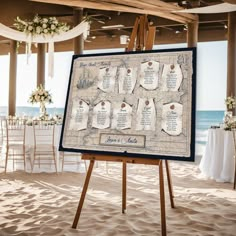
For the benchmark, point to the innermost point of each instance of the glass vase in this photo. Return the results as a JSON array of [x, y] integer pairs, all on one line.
[[42, 110]]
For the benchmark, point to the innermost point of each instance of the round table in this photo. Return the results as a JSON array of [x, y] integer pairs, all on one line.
[[218, 161]]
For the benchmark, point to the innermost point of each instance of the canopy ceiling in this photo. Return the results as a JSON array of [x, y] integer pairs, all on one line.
[[120, 16]]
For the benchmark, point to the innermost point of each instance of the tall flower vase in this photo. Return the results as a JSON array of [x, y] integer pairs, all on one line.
[[42, 110]]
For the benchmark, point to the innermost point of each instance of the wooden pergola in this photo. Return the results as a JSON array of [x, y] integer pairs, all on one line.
[[113, 18]]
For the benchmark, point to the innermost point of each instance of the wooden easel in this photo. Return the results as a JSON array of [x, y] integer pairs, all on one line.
[[142, 38], [92, 158]]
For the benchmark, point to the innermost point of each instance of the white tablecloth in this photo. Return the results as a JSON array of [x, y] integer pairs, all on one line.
[[29, 135], [218, 160], [29, 142]]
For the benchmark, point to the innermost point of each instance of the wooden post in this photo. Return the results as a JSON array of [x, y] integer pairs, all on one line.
[[12, 79], [231, 70], [78, 41], [192, 34], [41, 64]]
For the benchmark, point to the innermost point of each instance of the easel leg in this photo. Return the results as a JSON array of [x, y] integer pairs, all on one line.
[[81, 202], [170, 186], [162, 200], [124, 177]]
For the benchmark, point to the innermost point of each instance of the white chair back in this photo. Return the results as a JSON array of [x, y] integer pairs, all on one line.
[[44, 132], [14, 140], [14, 131], [44, 149]]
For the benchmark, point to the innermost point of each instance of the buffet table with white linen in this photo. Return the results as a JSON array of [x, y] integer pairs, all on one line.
[[218, 161]]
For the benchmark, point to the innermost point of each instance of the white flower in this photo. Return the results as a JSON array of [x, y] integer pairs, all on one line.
[[38, 29], [40, 95], [45, 20], [36, 19], [230, 102], [30, 28], [40, 25], [53, 27]]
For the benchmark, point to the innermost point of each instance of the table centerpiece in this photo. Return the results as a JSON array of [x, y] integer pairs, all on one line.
[[41, 96]]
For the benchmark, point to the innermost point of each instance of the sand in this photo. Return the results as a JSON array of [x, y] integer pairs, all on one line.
[[45, 203]]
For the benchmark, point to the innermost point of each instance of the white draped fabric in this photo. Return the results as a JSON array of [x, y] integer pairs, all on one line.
[[21, 36], [219, 8], [218, 160], [7, 32]]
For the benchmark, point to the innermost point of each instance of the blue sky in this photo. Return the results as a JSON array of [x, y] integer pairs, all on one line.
[[211, 76]]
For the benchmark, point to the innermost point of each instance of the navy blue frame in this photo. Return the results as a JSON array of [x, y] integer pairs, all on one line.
[[127, 154]]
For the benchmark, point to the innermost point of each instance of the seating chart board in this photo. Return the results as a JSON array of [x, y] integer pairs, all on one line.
[[138, 104]]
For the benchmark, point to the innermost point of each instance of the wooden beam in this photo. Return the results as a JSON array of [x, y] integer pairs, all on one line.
[[158, 6], [231, 76], [120, 7], [41, 64], [192, 34], [12, 79], [171, 7], [78, 41]]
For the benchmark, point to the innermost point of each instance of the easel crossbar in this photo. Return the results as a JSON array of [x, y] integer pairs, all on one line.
[[131, 160]]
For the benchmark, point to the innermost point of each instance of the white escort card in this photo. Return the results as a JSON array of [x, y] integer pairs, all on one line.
[[172, 77], [127, 80], [149, 75], [121, 119], [101, 115], [106, 79], [146, 114], [79, 119], [172, 118]]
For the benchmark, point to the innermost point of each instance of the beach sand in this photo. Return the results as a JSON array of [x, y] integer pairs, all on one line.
[[45, 203]]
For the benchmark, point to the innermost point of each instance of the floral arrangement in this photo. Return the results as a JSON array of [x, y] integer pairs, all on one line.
[[40, 95], [230, 102], [44, 26]]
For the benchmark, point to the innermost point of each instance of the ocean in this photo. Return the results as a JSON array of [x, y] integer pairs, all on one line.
[[204, 120]]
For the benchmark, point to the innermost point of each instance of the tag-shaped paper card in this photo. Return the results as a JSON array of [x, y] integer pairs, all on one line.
[[172, 77], [80, 113], [149, 75], [127, 80], [122, 112], [172, 118], [106, 79], [101, 115], [146, 114]]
